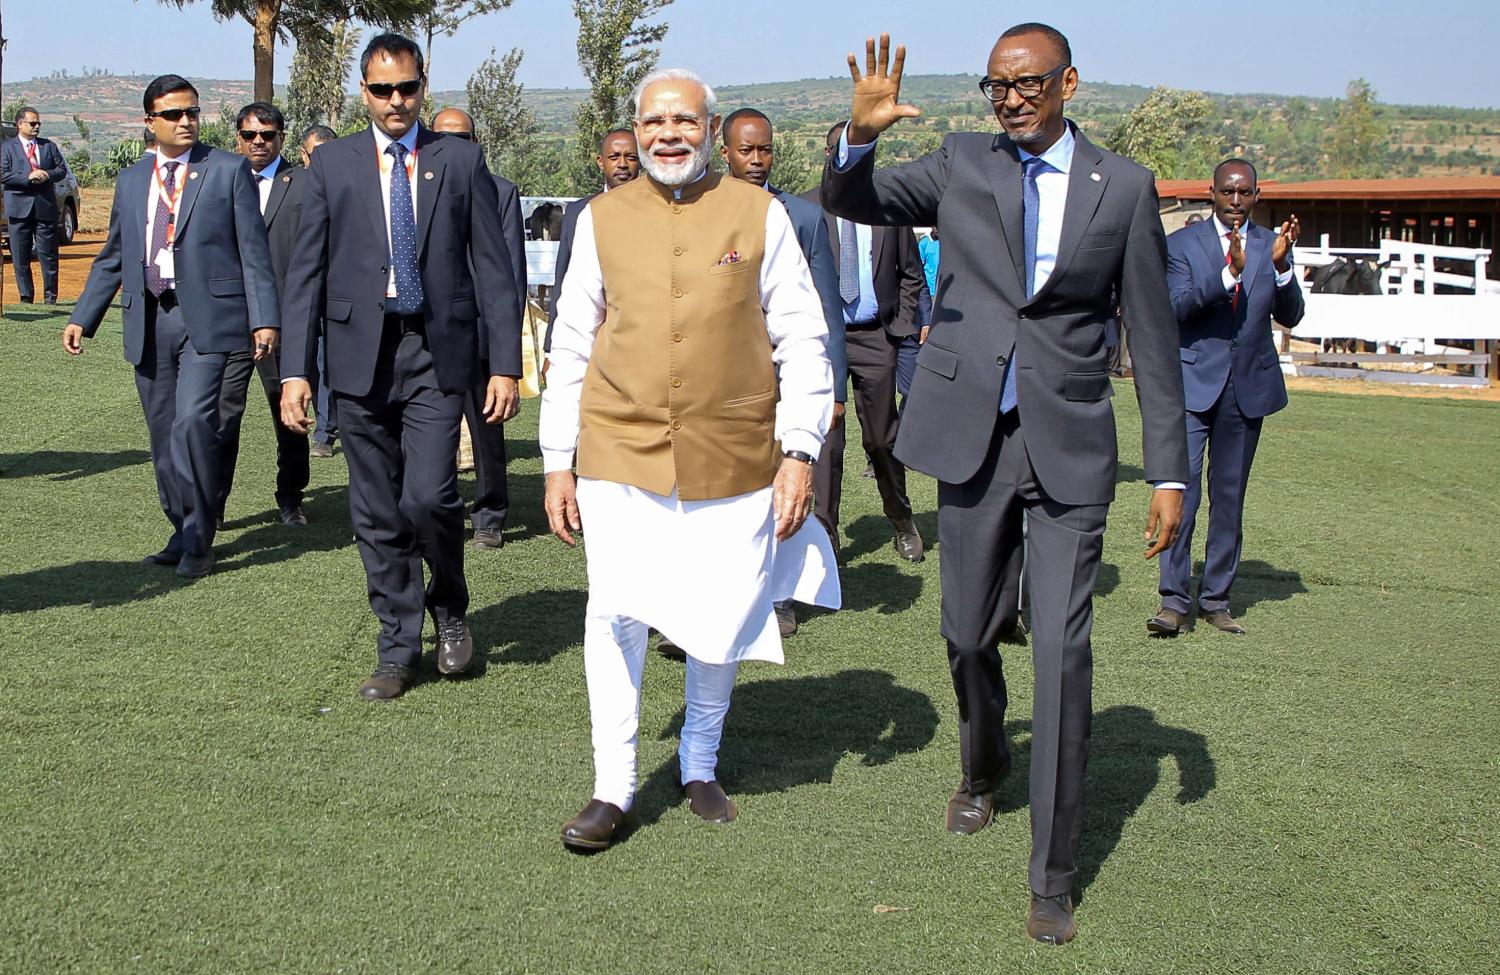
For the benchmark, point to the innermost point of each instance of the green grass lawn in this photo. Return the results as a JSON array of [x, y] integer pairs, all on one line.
[[190, 784]]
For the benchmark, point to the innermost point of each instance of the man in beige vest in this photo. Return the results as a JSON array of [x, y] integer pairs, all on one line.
[[690, 373]]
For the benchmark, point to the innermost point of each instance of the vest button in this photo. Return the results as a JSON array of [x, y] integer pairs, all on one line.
[[676, 209], [677, 252], [676, 336], [676, 292], [676, 424], [676, 381]]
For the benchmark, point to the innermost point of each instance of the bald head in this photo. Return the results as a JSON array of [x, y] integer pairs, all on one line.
[[453, 121]]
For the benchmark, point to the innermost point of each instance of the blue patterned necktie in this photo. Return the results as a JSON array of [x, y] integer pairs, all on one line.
[[1031, 200], [848, 262], [409, 296], [160, 220]]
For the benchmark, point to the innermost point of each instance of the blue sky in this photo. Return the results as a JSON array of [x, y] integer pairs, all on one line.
[[1444, 55]]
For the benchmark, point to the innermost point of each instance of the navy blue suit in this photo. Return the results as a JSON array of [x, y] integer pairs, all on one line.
[[31, 210], [179, 344], [1231, 380]]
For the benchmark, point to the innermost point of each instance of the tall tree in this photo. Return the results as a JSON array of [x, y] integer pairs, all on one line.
[[1170, 133], [1359, 141], [618, 45], [280, 20], [443, 18], [316, 94]]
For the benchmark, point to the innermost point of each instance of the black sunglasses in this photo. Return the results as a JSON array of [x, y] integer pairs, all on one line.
[[382, 90], [997, 89], [34, 122], [466, 136], [264, 135], [176, 114]]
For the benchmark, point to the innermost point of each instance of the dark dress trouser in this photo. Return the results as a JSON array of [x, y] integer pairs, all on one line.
[[24, 232], [491, 493], [872, 367], [979, 523], [179, 390], [401, 445], [1230, 438], [292, 471]]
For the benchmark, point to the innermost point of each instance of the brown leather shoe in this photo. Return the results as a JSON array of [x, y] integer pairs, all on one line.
[[708, 800], [671, 651], [908, 541], [1167, 622], [969, 813], [1220, 620], [786, 619], [1051, 919], [388, 681], [455, 647], [594, 827]]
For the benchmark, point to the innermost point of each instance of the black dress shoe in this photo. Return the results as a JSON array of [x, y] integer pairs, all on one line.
[[1051, 919], [708, 801], [869, 472], [594, 827], [488, 539], [1167, 622], [292, 514], [786, 619], [455, 647], [167, 556], [195, 566], [908, 542], [388, 681], [1220, 620]]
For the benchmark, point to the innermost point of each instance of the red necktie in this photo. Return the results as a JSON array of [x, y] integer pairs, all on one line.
[[1234, 303], [31, 153]]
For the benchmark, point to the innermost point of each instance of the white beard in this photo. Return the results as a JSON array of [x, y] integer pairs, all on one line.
[[677, 174]]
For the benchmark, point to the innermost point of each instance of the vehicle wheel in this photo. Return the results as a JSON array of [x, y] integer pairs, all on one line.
[[69, 223]]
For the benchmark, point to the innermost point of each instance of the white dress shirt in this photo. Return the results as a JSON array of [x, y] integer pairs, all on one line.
[[153, 193], [265, 180], [1228, 275], [409, 140]]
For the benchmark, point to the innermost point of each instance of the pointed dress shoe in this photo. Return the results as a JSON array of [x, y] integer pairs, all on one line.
[[708, 801], [388, 681], [594, 827], [1167, 622], [292, 514], [1051, 919], [455, 647], [195, 566], [168, 556], [487, 539], [908, 541], [1220, 620], [968, 813]]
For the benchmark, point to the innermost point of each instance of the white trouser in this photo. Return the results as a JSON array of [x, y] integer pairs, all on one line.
[[614, 653]]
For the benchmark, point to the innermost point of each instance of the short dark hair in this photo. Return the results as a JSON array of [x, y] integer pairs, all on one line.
[[165, 85], [1237, 161], [834, 130], [391, 45], [1051, 33], [264, 112], [26, 110], [738, 114], [321, 132], [614, 132]]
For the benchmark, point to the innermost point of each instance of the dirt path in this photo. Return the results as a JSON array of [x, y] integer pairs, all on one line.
[[73, 262]]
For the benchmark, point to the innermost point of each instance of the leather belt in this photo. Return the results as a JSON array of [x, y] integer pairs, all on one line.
[[406, 324]]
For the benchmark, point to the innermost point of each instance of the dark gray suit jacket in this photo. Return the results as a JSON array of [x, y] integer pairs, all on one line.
[[515, 239], [223, 261], [564, 255], [24, 198], [1111, 239], [812, 234], [896, 270], [282, 209]]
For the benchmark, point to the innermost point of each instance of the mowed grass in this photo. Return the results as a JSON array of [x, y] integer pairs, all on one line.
[[190, 784]]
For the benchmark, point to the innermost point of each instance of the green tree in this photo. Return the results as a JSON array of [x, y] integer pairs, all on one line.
[[506, 129], [316, 94], [618, 45], [1358, 142], [443, 18], [1169, 133], [792, 167]]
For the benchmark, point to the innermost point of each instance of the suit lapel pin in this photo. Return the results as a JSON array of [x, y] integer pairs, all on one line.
[[287, 178], [192, 175], [427, 175], [1094, 177]]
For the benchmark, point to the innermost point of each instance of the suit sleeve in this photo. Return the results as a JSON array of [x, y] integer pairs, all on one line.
[[13, 178], [1147, 314], [898, 196], [515, 238], [1288, 305], [302, 303], [826, 279], [104, 275], [495, 286], [1191, 297], [255, 252]]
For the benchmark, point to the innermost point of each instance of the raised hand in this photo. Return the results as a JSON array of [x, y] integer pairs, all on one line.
[[877, 92], [1236, 250], [1282, 246]]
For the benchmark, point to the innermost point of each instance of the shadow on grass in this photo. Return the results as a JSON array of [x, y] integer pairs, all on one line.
[[784, 733], [871, 533], [525, 517], [529, 628], [1125, 755], [68, 465], [1260, 582], [879, 586], [1129, 474]]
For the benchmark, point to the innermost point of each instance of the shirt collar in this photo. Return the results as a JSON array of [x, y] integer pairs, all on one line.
[[1060, 154], [409, 140], [1223, 231], [270, 171]]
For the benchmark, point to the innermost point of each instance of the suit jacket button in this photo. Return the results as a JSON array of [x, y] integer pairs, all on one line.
[[1233, 345], [1021, 315], [384, 269], [999, 360]]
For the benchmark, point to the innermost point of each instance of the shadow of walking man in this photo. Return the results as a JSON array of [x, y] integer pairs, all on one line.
[[795, 731], [1125, 754]]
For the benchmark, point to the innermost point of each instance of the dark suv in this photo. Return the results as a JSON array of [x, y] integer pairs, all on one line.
[[66, 190]]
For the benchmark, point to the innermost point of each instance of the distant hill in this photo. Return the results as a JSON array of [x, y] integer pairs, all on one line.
[[1283, 131]]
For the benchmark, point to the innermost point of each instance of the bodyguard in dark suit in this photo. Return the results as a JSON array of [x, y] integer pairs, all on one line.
[[1229, 279], [260, 131], [187, 252], [393, 219], [491, 493], [879, 313], [30, 166], [1010, 409]]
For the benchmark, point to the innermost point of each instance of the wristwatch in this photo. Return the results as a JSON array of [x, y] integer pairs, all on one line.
[[801, 455]]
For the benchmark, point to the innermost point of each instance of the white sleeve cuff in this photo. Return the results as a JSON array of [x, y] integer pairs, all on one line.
[[554, 460], [1284, 279], [848, 155], [806, 441], [1168, 486], [1227, 276]]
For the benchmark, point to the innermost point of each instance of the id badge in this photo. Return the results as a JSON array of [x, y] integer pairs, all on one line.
[[165, 265]]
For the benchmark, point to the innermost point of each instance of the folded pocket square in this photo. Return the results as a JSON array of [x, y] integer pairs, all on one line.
[[733, 257]]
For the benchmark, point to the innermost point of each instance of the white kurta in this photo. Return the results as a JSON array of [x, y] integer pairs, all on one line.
[[703, 573]]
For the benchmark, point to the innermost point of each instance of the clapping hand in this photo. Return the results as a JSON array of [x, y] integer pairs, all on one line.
[[1285, 238], [1236, 250], [877, 92]]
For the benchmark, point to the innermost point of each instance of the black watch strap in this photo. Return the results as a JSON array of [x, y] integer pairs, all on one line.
[[801, 455]]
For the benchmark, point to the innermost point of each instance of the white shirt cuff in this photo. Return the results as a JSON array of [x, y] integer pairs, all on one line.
[[847, 155], [807, 442], [1284, 279], [1168, 486], [1227, 276], [554, 460]]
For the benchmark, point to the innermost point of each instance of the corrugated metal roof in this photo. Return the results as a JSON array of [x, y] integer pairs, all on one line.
[[1431, 188]]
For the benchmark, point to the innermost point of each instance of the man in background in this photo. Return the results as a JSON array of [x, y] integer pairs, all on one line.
[[326, 432], [30, 166]]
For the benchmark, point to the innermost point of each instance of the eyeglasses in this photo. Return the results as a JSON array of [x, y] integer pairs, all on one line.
[[383, 90], [176, 114], [35, 123], [263, 135], [687, 121], [466, 136], [1029, 86]]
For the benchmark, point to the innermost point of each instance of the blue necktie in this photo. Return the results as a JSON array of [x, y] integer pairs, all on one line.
[[409, 297], [848, 262], [1032, 202]]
